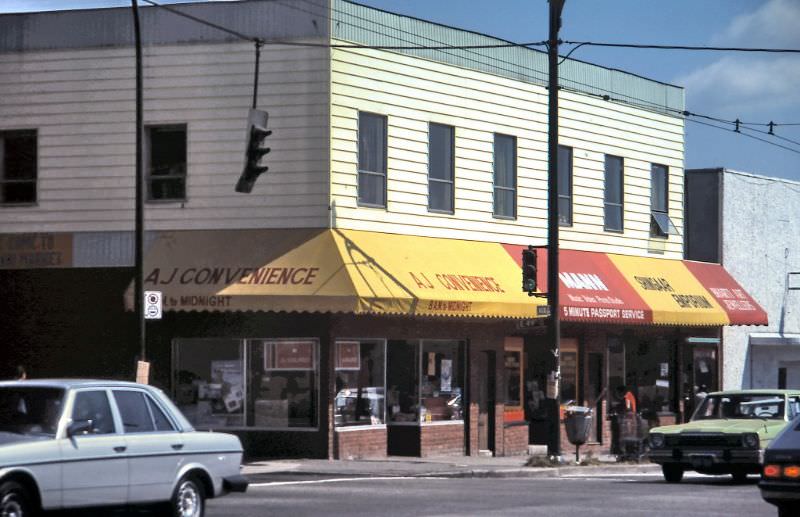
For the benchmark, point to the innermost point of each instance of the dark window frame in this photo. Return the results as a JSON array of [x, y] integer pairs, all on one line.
[[655, 229], [569, 220], [4, 181], [179, 177], [384, 173], [452, 170], [496, 186], [606, 204]]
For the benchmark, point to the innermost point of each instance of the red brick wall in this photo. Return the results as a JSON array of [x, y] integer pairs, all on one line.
[[360, 444], [515, 440], [442, 440]]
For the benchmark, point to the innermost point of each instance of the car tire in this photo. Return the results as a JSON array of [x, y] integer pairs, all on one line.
[[672, 473], [189, 498], [787, 510], [15, 500]]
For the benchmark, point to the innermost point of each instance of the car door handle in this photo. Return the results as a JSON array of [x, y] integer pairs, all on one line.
[[177, 446], [120, 448]]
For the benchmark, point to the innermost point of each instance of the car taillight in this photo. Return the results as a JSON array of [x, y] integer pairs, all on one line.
[[791, 471], [772, 471]]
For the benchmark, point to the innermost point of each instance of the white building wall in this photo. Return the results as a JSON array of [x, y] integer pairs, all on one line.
[[81, 102], [413, 92], [760, 230]]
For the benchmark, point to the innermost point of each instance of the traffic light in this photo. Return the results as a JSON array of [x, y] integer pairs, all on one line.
[[257, 133], [529, 270]]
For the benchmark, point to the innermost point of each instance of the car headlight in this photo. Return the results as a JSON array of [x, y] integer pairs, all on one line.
[[656, 440], [750, 440]]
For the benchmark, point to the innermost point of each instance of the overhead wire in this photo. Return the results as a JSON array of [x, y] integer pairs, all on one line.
[[744, 134], [683, 47]]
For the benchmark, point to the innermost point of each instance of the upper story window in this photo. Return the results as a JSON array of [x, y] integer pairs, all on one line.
[[166, 162], [18, 169], [564, 186], [614, 194], [441, 168], [372, 159], [660, 223], [505, 176]]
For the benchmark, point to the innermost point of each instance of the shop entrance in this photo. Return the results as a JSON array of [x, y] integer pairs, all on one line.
[[699, 367], [486, 401], [595, 392]]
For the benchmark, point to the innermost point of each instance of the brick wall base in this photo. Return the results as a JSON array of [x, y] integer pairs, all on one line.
[[515, 440], [356, 444], [442, 440]]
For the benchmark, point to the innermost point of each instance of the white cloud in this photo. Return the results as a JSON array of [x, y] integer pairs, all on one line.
[[737, 85], [774, 24]]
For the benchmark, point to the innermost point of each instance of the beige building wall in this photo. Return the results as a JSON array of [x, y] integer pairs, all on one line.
[[81, 102], [413, 92]]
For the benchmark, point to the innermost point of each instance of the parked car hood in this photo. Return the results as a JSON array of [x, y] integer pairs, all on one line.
[[731, 425]]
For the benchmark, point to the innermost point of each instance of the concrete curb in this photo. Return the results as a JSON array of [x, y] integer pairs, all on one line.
[[519, 472]]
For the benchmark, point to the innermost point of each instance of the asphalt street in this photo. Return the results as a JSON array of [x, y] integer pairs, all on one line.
[[640, 495], [583, 496]]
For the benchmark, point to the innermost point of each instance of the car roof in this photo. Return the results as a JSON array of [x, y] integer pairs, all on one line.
[[72, 383], [757, 392]]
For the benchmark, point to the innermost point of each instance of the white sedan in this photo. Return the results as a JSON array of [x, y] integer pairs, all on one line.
[[70, 443]]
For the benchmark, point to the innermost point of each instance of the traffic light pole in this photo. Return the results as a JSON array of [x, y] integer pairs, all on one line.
[[138, 288], [554, 328]]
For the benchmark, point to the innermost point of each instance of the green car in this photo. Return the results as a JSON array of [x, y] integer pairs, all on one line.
[[726, 435]]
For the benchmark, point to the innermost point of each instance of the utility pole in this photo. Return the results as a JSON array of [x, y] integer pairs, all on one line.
[[554, 328], [138, 289]]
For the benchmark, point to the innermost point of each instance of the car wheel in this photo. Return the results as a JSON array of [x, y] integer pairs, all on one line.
[[672, 473], [787, 510], [189, 499], [739, 476], [15, 500]]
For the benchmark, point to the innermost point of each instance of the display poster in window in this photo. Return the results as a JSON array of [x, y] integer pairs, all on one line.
[[226, 388], [431, 369], [446, 376], [348, 355], [289, 355]]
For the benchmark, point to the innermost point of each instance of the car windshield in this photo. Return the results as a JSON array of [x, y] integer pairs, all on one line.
[[30, 410], [740, 407]]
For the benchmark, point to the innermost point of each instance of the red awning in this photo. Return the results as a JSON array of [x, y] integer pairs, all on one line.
[[619, 289], [592, 288], [742, 309]]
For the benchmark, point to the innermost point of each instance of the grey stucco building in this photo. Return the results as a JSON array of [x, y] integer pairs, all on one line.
[[751, 225]]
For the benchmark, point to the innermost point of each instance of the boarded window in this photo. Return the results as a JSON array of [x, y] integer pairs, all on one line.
[[18, 167]]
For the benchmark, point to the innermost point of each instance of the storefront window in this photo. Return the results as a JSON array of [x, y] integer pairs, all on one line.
[[360, 381], [209, 381], [283, 380], [569, 370], [648, 374], [440, 381], [402, 379], [513, 365]]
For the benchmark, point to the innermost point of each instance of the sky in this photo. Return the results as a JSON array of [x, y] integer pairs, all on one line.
[[754, 88]]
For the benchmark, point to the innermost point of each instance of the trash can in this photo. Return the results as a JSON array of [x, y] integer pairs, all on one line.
[[578, 423]]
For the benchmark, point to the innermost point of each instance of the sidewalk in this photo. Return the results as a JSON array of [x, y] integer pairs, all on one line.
[[450, 466]]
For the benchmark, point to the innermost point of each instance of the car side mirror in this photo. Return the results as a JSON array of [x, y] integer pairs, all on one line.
[[78, 427]]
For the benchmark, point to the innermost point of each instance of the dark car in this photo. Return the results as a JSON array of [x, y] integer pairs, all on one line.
[[780, 477]]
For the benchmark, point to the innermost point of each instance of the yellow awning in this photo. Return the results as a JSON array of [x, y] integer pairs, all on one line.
[[671, 291], [335, 271]]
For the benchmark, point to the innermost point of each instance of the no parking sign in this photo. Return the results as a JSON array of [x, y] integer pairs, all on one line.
[[152, 305]]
